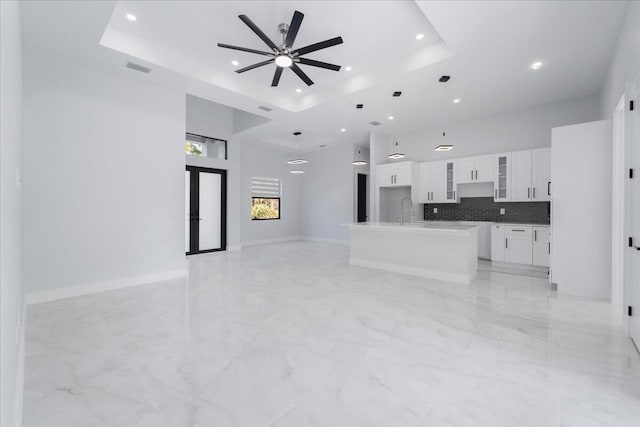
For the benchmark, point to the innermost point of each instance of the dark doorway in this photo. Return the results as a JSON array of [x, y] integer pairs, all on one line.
[[362, 197], [205, 210]]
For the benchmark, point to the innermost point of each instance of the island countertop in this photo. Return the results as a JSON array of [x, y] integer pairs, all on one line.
[[413, 227]]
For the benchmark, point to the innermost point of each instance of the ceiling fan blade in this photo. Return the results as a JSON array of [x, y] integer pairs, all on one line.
[[301, 74], [259, 64], [258, 32], [314, 63], [244, 49], [276, 76], [317, 46], [292, 32]]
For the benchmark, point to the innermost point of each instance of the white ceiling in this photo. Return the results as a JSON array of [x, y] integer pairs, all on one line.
[[485, 46]]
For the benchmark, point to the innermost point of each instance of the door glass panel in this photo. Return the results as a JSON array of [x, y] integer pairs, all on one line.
[[450, 187], [187, 210], [210, 211], [502, 177]]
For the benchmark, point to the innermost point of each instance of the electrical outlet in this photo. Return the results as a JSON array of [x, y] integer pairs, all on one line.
[[435, 210], [502, 211]]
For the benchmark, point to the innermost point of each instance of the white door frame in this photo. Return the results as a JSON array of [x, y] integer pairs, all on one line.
[[619, 193]]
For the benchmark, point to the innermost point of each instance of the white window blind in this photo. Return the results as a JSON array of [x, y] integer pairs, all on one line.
[[265, 187]]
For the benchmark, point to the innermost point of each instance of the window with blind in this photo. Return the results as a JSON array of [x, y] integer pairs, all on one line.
[[265, 198]]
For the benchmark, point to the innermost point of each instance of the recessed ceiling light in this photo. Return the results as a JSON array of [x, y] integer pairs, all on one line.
[[347, 68], [420, 36], [390, 117], [456, 101], [536, 65], [296, 171], [359, 106], [235, 63], [298, 90], [444, 147], [297, 133], [131, 17], [297, 161], [343, 130]]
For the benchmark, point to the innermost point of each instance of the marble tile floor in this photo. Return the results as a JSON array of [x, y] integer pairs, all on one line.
[[291, 335]]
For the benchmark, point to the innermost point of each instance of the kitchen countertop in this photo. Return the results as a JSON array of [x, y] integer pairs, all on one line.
[[426, 226]]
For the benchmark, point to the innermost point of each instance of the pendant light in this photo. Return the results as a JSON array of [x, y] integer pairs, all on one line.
[[297, 160], [359, 161], [397, 154]]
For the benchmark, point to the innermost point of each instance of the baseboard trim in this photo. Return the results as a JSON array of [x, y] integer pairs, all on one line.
[[322, 240], [19, 390], [103, 286], [413, 271], [271, 241]]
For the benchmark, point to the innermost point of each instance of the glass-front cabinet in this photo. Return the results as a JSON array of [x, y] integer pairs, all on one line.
[[451, 184], [501, 182]]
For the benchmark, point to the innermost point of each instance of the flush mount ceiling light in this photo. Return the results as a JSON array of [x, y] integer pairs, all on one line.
[[131, 17], [390, 117], [536, 65], [343, 130], [296, 171], [420, 36], [284, 55], [397, 154], [297, 161], [444, 147], [456, 101]]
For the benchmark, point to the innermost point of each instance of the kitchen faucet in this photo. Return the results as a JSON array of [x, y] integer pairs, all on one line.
[[402, 209]]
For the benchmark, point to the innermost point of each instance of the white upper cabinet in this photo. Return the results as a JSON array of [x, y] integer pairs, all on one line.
[[395, 174], [521, 189], [541, 175], [474, 169], [501, 180], [450, 182], [432, 182]]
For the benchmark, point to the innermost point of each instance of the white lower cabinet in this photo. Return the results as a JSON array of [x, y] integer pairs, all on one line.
[[541, 246], [520, 244]]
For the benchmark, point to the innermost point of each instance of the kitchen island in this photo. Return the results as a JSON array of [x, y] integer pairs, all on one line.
[[443, 251]]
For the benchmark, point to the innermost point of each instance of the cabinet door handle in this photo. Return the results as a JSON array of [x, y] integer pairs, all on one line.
[[549, 247], [471, 175], [506, 243], [517, 229], [529, 193], [534, 192], [476, 174], [454, 194], [548, 188], [432, 195], [535, 235], [496, 191]]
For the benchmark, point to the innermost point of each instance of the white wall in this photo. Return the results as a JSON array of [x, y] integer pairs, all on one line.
[[326, 199], [581, 172], [260, 159], [11, 294], [625, 63], [104, 175], [519, 130]]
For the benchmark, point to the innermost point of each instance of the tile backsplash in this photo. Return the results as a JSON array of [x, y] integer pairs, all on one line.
[[485, 209]]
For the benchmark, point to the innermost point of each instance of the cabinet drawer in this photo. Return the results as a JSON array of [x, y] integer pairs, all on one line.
[[519, 230]]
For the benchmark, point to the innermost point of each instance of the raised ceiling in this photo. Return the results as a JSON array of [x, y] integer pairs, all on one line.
[[486, 46]]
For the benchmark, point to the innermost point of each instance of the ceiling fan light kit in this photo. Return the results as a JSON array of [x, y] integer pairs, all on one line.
[[284, 56]]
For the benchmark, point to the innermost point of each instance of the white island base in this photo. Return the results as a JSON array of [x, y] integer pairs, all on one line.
[[438, 251]]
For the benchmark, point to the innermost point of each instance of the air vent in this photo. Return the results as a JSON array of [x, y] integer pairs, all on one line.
[[444, 79], [297, 133], [137, 67], [263, 108], [359, 106], [397, 93], [375, 123]]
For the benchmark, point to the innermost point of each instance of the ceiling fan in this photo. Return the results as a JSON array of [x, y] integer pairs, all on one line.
[[284, 56]]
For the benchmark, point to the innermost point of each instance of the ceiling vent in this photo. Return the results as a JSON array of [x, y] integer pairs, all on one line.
[[375, 123], [359, 106], [263, 108], [397, 93], [137, 67], [444, 79], [297, 133]]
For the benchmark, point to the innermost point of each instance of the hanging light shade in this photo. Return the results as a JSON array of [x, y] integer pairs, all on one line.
[[396, 154], [359, 161], [297, 160]]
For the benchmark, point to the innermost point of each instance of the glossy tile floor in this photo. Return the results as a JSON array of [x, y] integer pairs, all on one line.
[[291, 335]]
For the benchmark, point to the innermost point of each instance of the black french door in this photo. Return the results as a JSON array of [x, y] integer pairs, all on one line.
[[205, 210]]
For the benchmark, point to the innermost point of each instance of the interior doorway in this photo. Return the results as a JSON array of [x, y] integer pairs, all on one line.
[[361, 211], [632, 124], [205, 210]]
